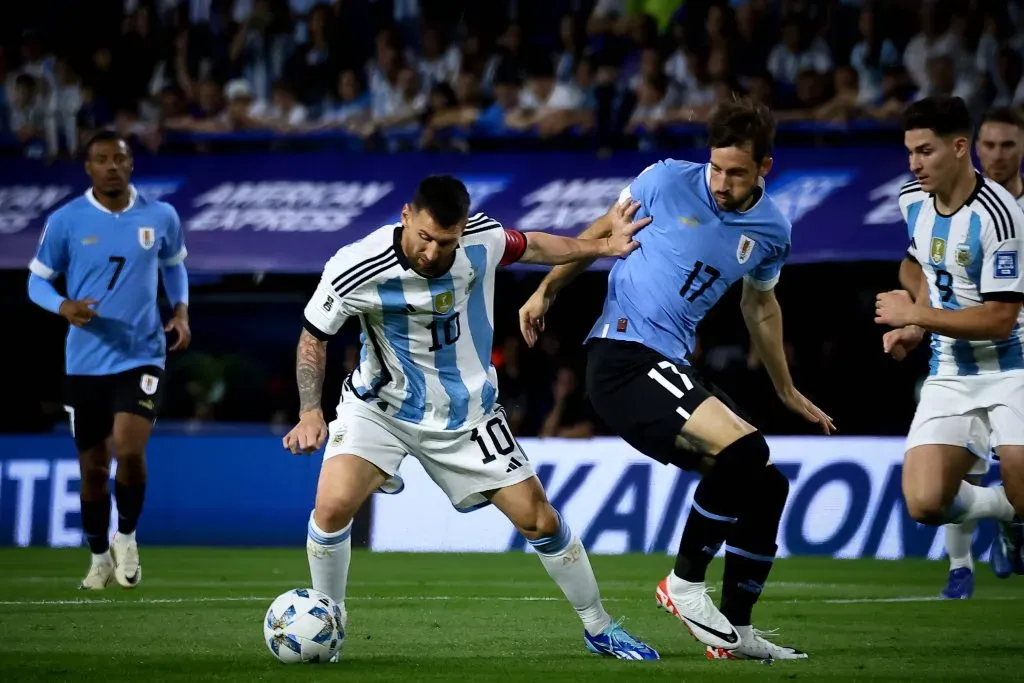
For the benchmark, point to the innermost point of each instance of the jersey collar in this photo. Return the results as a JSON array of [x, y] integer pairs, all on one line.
[[711, 195], [133, 195]]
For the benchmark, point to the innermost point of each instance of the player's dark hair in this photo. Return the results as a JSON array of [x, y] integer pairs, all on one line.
[[1008, 115], [102, 136], [444, 197], [740, 122], [942, 115]]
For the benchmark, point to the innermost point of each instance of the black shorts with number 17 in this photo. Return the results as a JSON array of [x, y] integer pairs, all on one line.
[[646, 398], [93, 400]]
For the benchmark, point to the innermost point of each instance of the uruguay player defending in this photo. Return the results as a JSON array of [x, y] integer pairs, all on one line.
[[1000, 147], [713, 225], [110, 244], [423, 291]]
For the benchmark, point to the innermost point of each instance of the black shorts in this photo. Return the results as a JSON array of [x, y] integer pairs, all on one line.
[[92, 401], [646, 398]]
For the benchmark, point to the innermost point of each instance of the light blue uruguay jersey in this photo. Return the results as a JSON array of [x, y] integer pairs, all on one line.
[[426, 342], [967, 257], [689, 255], [114, 258]]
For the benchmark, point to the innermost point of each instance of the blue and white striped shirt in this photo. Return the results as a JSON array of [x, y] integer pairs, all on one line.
[[968, 257], [426, 342]]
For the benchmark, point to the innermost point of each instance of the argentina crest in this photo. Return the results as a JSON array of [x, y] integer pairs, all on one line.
[[147, 237], [745, 249], [443, 301]]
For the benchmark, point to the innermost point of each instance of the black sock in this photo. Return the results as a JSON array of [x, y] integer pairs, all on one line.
[[750, 547], [717, 500], [96, 524], [129, 505]]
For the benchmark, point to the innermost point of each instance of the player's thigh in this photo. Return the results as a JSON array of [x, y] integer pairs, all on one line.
[[665, 410], [526, 505], [364, 451], [931, 477], [1011, 470], [137, 395], [468, 464], [89, 403]]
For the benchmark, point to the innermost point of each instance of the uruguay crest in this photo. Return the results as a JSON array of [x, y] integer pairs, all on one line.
[[444, 301], [745, 249], [148, 384], [938, 250], [147, 237]]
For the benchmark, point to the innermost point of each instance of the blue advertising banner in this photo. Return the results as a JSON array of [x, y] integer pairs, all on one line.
[[243, 490], [290, 213]]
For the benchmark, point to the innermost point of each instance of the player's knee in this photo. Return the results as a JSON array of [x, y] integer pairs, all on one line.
[[746, 457], [925, 508], [333, 512], [95, 475]]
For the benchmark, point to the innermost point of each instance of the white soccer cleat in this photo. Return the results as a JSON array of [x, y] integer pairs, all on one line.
[[753, 645], [127, 570], [693, 606], [101, 575]]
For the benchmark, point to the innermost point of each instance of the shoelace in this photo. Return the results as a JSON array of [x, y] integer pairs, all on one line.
[[618, 634]]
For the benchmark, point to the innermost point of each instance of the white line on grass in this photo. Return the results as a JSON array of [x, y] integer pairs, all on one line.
[[435, 598]]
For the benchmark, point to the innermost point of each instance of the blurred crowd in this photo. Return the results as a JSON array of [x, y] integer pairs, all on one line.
[[435, 71]]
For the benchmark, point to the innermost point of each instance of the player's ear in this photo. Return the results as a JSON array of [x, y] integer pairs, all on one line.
[[406, 212], [765, 167], [961, 146]]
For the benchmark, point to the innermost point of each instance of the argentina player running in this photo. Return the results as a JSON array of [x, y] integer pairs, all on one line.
[[111, 244], [1000, 149], [713, 225], [967, 234], [423, 291]]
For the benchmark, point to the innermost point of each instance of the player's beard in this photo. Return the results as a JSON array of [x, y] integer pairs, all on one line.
[[738, 204]]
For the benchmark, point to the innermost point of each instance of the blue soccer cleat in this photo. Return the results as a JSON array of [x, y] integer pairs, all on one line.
[[1008, 550], [616, 641], [960, 585]]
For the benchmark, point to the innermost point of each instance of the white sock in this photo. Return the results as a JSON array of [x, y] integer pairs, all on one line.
[[566, 562], [958, 544], [980, 502], [677, 585], [329, 557], [102, 558]]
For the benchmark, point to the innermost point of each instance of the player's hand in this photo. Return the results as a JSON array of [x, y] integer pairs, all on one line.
[[895, 309], [531, 315], [179, 324], [899, 343], [621, 243], [78, 312], [307, 436], [799, 404]]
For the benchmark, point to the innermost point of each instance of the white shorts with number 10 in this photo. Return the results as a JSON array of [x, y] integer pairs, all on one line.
[[464, 463]]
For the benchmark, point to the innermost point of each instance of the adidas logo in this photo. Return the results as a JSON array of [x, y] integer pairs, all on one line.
[[513, 465]]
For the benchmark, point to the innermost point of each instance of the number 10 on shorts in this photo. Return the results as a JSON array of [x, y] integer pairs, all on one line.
[[498, 436]]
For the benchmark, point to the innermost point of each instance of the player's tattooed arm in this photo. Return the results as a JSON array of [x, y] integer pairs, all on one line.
[[310, 367]]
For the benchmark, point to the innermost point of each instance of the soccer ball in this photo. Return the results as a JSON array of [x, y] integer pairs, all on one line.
[[303, 625]]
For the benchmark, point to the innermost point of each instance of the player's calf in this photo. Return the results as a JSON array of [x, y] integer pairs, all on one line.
[[346, 481]]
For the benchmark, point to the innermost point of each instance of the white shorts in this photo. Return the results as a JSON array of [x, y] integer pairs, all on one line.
[[978, 412], [464, 463]]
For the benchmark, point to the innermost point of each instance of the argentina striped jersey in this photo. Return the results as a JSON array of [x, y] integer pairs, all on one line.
[[426, 342], [970, 256]]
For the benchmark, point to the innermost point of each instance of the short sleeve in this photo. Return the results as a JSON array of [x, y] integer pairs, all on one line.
[[640, 185], [172, 251], [911, 199], [765, 275], [51, 257], [329, 307], [1002, 247]]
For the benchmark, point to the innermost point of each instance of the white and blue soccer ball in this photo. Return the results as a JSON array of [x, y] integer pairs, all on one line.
[[303, 625]]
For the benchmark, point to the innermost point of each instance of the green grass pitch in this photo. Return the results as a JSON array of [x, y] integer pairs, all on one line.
[[197, 616]]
